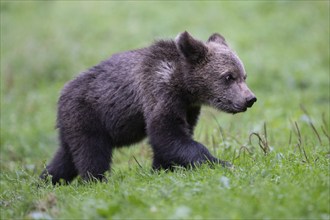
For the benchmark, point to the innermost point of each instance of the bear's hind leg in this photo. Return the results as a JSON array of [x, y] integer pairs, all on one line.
[[61, 167], [92, 155]]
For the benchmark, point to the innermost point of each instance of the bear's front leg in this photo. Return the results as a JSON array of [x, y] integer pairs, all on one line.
[[170, 137]]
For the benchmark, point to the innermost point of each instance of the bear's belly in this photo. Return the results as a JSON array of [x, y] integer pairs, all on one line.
[[128, 130]]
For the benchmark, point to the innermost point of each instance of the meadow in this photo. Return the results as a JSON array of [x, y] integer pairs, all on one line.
[[280, 147]]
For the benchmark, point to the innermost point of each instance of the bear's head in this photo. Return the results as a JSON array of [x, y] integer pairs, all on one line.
[[213, 74]]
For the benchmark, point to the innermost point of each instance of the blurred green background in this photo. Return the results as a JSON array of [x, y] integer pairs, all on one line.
[[283, 44]]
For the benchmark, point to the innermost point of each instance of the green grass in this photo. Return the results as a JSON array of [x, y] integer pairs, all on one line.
[[285, 49]]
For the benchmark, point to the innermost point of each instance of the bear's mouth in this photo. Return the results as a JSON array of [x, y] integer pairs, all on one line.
[[239, 109], [229, 107]]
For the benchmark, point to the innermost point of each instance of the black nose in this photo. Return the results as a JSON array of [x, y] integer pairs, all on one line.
[[250, 101]]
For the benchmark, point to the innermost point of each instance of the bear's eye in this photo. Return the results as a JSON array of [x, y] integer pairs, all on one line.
[[229, 77]]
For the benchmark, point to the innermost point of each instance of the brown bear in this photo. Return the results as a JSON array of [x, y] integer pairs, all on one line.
[[155, 92]]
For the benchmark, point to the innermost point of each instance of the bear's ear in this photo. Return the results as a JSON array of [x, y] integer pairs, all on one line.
[[217, 38], [193, 50]]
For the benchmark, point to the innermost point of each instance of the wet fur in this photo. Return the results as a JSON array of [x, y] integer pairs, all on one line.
[[155, 92]]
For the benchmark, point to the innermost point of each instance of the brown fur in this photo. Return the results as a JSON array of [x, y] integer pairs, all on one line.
[[156, 92]]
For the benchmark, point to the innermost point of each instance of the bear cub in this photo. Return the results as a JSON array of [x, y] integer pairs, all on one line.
[[155, 92]]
